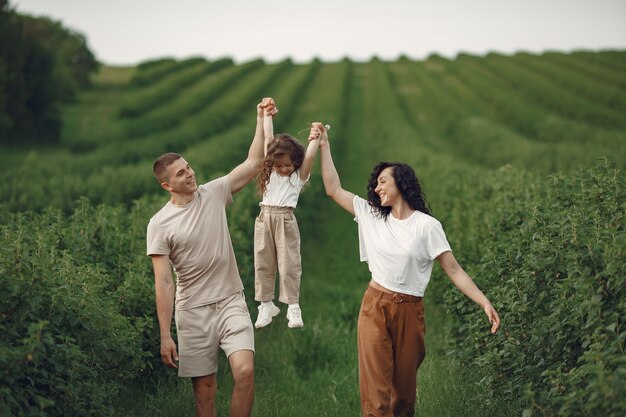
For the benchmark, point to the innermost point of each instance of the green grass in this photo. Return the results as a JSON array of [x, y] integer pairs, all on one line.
[[446, 388], [317, 387]]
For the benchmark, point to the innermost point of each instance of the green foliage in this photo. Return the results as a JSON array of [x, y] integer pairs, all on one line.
[[552, 96], [68, 336], [153, 71], [556, 268], [463, 104], [27, 89], [41, 65], [74, 63], [198, 97], [573, 80], [166, 89], [607, 66]]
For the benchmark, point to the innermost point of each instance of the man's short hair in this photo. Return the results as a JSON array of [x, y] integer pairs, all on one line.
[[161, 164]]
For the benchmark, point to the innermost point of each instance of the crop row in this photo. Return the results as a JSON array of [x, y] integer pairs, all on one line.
[[169, 88], [463, 108], [153, 71]]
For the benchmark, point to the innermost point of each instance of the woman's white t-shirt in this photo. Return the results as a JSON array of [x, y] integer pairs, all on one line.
[[400, 253]]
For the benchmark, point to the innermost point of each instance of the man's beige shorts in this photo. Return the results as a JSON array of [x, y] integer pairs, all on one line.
[[203, 330]]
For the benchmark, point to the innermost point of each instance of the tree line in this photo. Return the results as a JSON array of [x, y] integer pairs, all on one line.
[[42, 65]]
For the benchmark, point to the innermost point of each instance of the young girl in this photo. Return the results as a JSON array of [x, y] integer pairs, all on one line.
[[285, 171]]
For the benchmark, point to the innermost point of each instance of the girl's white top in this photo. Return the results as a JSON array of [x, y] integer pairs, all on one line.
[[400, 253], [283, 191]]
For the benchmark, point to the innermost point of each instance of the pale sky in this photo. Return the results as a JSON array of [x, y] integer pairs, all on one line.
[[125, 32]]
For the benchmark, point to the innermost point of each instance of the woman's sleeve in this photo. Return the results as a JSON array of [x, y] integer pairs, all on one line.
[[360, 206], [436, 242]]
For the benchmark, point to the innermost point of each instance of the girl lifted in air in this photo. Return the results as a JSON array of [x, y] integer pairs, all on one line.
[[285, 170]]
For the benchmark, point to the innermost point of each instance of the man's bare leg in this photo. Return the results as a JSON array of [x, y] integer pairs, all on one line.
[[242, 367], [204, 391]]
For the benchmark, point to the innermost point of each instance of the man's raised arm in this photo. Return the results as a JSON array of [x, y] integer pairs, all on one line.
[[243, 173]]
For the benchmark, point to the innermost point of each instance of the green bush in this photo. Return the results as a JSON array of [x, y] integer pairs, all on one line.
[[557, 269], [68, 336]]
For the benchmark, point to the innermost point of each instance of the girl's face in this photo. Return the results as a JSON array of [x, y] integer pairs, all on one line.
[[387, 189], [283, 165]]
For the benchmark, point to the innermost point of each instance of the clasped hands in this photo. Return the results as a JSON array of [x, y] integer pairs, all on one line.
[[319, 131], [267, 107]]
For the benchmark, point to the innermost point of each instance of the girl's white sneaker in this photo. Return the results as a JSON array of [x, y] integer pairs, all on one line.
[[294, 315]]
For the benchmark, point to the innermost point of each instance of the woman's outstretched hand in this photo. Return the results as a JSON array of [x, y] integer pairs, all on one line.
[[493, 316]]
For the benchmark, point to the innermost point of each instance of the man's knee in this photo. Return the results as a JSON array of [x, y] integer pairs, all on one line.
[[244, 374], [242, 367], [205, 386]]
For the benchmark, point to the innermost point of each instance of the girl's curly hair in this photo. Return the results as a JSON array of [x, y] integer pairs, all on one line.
[[407, 184], [283, 144]]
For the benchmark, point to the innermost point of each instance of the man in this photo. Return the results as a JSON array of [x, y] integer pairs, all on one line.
[[190, 234]]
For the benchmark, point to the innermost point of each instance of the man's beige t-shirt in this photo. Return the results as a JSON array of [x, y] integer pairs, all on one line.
[[195, 237]]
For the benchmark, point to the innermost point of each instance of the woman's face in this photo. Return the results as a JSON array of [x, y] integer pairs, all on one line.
[[283, 165], [386, 188]]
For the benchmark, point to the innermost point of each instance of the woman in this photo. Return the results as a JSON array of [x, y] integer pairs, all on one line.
[[400, 241]]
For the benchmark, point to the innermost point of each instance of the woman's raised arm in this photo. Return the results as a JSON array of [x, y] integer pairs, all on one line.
[[332, 184]]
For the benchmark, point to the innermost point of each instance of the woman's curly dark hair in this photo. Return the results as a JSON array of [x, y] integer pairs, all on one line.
[[407, 184], [283, 144]]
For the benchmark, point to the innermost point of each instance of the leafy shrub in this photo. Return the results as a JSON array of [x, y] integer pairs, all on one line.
[[557, 270], [66, 346]]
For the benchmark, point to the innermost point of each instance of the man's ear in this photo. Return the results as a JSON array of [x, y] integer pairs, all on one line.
[[166, 186]]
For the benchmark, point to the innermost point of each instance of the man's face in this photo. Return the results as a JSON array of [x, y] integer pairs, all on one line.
[[181, 179]]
